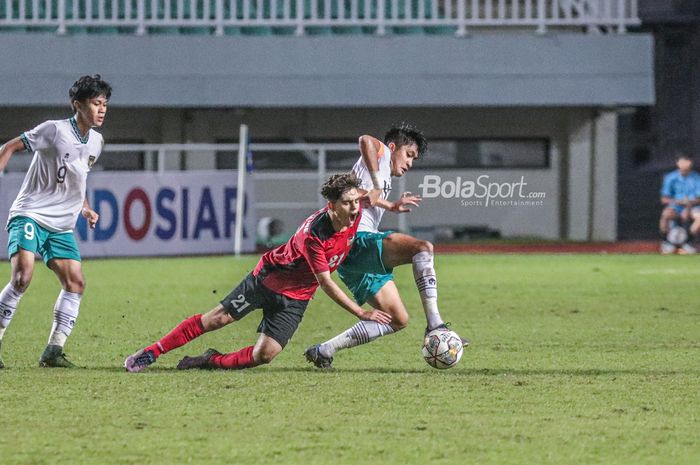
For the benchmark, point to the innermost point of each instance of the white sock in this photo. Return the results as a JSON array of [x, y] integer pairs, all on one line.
[[360, 333], [65, 312], [426, 282], [9, 299]]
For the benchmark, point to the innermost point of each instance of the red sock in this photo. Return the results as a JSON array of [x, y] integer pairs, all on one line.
[[235, 360], [183, 333]]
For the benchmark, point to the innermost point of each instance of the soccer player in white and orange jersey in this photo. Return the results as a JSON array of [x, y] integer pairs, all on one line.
[[43, 215], [282, 283], [368, 271]]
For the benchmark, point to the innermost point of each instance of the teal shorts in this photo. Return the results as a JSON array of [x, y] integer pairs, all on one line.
[[363, 271], [25, 233]]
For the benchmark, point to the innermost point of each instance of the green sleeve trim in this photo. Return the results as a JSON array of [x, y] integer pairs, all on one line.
[[25, 141]]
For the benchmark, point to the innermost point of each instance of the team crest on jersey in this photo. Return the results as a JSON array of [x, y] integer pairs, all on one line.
[[91, 160]]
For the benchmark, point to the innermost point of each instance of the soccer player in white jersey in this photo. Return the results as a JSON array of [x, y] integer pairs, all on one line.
[[43, 215], [367, 271]]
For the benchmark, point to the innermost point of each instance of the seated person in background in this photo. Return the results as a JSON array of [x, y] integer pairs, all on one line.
[[680, 196]]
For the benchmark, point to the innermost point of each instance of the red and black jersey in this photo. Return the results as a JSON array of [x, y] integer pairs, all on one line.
[[315, 247]]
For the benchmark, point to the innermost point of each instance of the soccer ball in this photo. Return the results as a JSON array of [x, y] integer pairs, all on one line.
[[677, 235], [442, 348]]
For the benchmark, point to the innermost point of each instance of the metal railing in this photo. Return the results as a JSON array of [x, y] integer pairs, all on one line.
[[155, 159], [230, 17]]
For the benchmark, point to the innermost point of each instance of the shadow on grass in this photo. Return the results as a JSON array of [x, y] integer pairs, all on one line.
[[460, 372], [497, 372]]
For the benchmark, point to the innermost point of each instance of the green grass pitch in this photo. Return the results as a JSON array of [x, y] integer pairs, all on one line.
[[576, 359]]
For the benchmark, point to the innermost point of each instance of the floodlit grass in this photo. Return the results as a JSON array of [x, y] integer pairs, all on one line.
[[576, 359]]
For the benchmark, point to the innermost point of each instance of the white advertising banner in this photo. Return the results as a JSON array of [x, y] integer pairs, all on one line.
[[149, 213]]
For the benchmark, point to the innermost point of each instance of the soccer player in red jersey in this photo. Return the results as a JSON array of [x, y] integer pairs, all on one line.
[[282, 283]]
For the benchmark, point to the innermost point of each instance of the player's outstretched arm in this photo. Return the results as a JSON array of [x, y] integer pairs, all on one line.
[[7, 150], [403, 205], [339, 297]]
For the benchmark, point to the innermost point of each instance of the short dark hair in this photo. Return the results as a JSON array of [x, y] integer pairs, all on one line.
[[87, 87], [680, 154], [338, 184], [405, 134]]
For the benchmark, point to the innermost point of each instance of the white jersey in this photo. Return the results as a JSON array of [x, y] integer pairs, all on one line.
[[53, 190], [372, 216]]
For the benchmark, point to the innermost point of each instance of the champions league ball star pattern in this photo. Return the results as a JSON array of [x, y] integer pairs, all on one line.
[[442, 348]]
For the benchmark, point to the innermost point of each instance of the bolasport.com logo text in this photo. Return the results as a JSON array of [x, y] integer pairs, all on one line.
[[481, 192]]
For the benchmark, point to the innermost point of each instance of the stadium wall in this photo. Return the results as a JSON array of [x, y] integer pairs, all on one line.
[[579, 182], [335, 71], [565, 88]]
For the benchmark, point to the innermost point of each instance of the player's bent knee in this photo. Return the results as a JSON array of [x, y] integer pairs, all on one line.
[[668, 214], [265, 356], [266, 349], [216, 319], [21, 281], [399, 322], [80, 285], [20, 284], [424, 246], [76, 285]]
